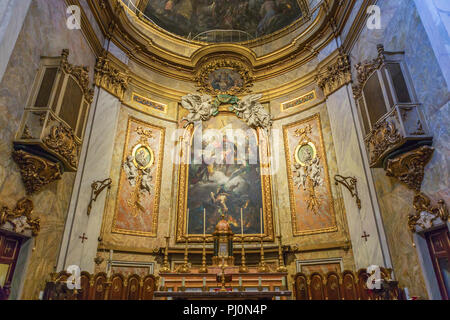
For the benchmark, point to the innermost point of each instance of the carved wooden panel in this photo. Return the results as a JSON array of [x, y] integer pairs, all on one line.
[[333, 288], [316, 287], [99, 286], [117, 287], [148, 288], [348, 286], [301, 287], [133, 288]]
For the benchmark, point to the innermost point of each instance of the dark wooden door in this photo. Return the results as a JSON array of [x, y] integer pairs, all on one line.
[[439, 246], [9, 252]]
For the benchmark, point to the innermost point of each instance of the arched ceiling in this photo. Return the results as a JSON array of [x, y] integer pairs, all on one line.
[[177, 57], [223, 20]]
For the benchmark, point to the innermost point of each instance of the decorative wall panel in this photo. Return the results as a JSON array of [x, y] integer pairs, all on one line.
[[309, 184], [137, 204]]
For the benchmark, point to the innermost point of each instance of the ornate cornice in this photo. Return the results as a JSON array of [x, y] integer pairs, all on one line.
[[335, 75], [409, 166], [36, 171], [425, 213], [109, 77], [20, 217]]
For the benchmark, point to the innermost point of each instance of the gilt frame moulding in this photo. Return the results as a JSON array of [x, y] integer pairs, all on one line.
[[182, 193], [157, 184], [292, 197]]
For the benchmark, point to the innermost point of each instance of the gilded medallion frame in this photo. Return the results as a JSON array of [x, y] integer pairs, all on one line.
[[323, 155], [158, 177], [182, 183]]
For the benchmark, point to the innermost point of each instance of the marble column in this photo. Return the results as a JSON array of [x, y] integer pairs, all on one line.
[[95, 165], [12, 17], [352, 161], [435, 16]]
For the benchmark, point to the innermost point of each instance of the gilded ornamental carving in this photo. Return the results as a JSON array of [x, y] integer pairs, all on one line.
[[80, 73], [425, 213], [20, 217], [335, 75], [365, 69], [409, 166], [110, 78], [61, 140], [384, 138], [36, 171]]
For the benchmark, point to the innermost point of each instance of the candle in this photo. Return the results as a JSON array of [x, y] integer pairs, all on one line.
[[204, 222], [259, 281], [240, 281], [204, 282], [261, 219], [187, 222], [242, 222], [162, 282], [183, 282]]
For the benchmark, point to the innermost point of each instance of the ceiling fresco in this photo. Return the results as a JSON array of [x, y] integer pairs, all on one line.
[[243, 19]]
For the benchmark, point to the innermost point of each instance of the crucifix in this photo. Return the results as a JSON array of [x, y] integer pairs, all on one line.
[[365, 236], [83, 237]]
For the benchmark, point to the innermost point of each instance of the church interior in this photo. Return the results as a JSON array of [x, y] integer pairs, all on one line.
[[133, 131]]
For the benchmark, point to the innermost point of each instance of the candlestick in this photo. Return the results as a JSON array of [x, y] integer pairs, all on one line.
[[166, 266], [204, 268], [281, 267], [243, 268], [262, 265], [185, 267]]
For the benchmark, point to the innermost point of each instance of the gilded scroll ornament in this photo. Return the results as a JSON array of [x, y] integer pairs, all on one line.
[[335, 75], [81, 74], [425, 213], [20, 217], [36, 171], [365, 69], [110, 78], [350, 184], [61, 140], [384, 137], [409, 166]]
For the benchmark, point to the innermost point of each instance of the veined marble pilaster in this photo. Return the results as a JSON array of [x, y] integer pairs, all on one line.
[[351, 163], [98, 154], [12, 16]]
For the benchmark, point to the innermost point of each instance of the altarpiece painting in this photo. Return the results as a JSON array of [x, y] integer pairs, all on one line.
[[227, 176]]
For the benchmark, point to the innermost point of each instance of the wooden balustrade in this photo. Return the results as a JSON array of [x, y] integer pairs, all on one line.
[[344, 286], [99, 287]]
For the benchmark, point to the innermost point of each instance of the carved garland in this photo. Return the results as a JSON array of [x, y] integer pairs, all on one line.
[[36, 172], [20, 217]]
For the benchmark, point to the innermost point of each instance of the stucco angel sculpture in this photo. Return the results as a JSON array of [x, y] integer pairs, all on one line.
[[251, 111], [200, 108]]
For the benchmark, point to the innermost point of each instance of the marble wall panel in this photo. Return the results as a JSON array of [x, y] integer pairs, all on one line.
[[44, 33]]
